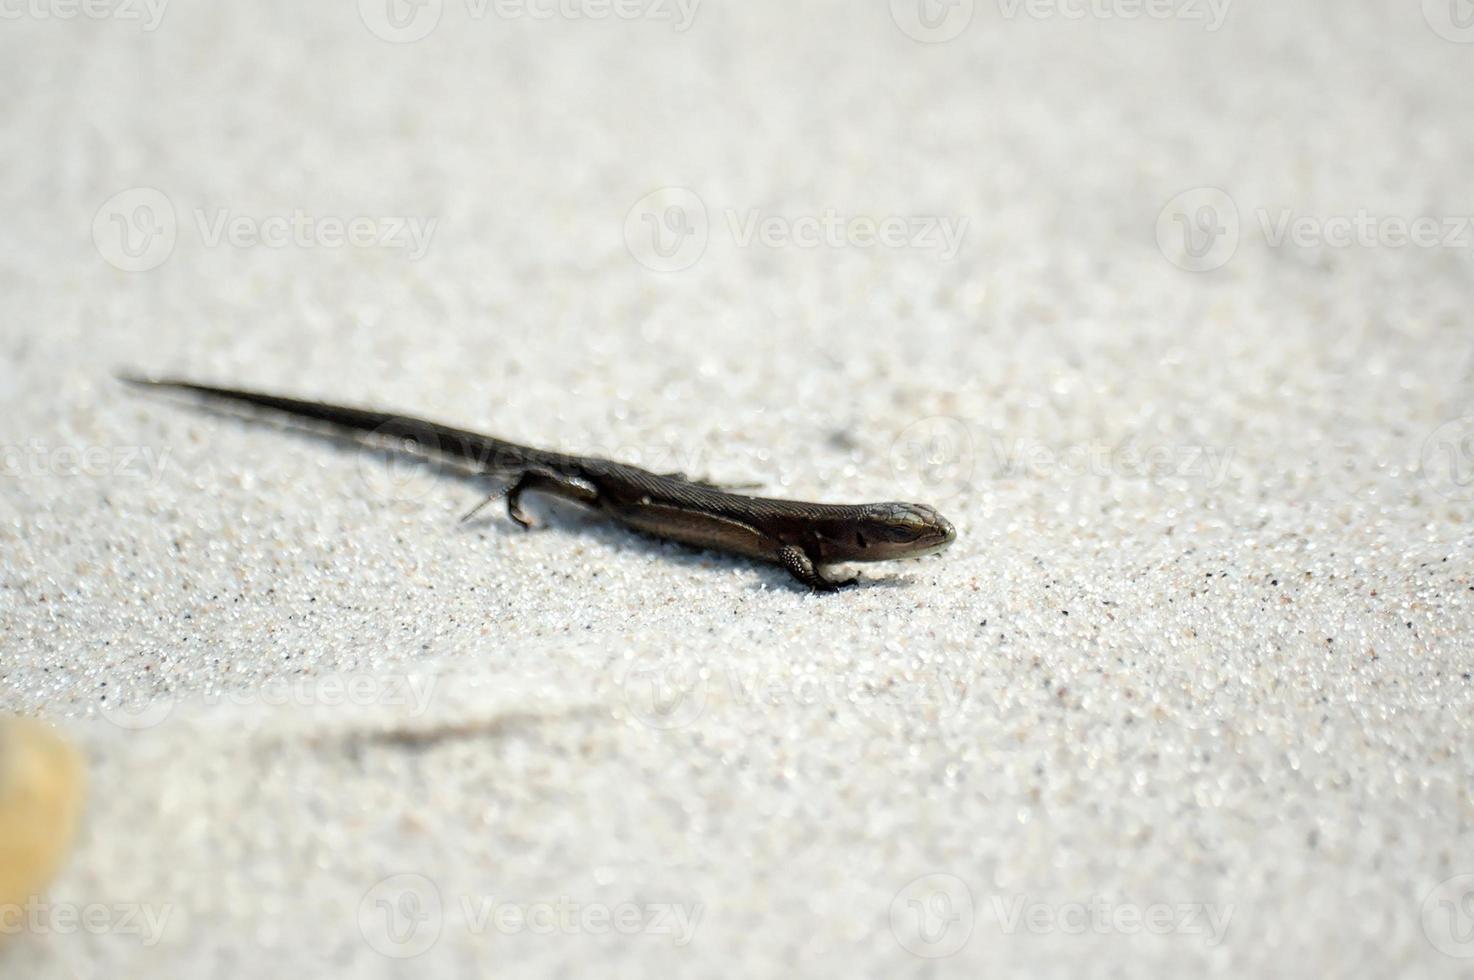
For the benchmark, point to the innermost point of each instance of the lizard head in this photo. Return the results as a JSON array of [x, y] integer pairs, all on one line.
[[895, 530]]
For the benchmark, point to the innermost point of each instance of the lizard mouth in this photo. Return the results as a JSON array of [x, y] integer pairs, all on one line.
[[935, 549]]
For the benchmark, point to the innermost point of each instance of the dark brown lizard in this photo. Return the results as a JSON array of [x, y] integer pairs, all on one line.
[[802, 537]]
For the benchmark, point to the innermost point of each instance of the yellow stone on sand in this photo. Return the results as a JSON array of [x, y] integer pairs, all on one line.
[[41, 789]]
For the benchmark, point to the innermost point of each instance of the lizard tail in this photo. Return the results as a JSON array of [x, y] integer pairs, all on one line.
[[429, 437]]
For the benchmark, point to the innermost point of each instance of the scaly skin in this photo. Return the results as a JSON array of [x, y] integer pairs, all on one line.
[[800, 536]]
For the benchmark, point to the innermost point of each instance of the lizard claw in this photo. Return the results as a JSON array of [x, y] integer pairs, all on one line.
[[517, 514]]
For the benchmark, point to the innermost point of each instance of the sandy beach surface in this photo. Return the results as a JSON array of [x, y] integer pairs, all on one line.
[[1168, 313]]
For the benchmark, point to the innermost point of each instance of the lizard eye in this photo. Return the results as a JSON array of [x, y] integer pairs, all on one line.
[[900, 533]]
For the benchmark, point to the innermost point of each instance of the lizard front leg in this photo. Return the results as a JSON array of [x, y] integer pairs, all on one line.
[[802, 567]]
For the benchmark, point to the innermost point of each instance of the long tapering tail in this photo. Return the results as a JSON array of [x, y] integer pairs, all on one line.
[[487, 452]]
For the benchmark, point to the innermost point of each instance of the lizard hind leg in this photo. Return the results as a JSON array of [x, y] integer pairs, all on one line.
[[802, 567], [490, 498], [547, 481]]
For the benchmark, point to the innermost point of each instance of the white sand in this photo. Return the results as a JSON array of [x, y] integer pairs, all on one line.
[[1221, 689]]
